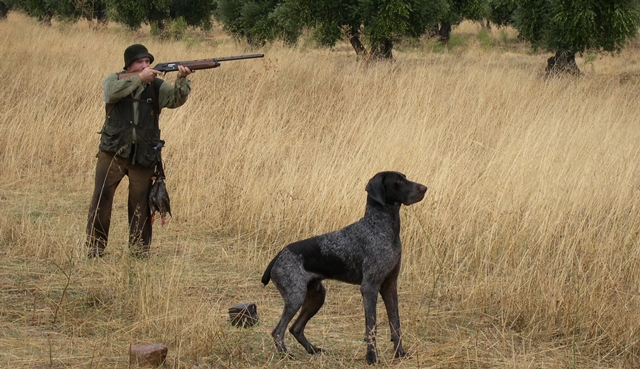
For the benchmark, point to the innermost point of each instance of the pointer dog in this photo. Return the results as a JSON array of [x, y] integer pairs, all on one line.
[[366, 253]]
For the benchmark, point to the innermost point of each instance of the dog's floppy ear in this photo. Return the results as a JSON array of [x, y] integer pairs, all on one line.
[[375, 188]]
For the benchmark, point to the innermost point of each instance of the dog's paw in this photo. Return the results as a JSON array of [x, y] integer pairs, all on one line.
[[315, 350], [400, 353], [287, 355], [371, 357]]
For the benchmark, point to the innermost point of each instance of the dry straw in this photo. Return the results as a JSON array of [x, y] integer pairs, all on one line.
[[524, 253]]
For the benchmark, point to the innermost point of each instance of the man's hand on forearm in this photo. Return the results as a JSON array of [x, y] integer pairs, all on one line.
[[184, 71]]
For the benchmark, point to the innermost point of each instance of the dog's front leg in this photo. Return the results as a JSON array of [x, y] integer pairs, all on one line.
[[370, 297], [389, 293]]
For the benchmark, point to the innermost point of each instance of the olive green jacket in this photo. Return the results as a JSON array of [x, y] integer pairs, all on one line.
[[132, 111]]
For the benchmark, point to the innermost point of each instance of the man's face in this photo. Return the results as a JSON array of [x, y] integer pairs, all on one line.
[[138, 65]]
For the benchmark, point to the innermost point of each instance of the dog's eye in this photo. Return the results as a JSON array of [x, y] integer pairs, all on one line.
[[399, 181]]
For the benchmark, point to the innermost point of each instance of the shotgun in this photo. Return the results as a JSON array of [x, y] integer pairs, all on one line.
[[195, 64]]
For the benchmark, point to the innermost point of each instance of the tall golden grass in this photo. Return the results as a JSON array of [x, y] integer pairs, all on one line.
[[524, 253]]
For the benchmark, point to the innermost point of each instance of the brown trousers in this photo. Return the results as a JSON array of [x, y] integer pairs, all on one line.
[[110, 169]]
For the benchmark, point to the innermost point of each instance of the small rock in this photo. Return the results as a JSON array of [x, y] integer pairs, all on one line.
[[243, 315], [151, 354]]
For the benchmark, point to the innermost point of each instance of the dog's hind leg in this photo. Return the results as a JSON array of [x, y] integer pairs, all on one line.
[[293, 296], [312, 303], [288, 313]]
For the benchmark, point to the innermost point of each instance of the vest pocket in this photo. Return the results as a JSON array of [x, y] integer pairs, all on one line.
[[111, 138], [148, 157], [148, 139]]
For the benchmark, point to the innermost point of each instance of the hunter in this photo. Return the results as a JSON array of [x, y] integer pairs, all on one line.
[[130, 146]]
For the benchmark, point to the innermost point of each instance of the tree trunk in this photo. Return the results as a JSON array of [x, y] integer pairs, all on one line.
[[97, 14], [444, 32], [383, 50], [354, 39], [4, 10], [564, 62]]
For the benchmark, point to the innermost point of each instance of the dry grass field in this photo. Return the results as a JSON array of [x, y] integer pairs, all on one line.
[[524, 254]]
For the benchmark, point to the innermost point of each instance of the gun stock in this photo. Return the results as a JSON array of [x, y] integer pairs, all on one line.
[[195, 64]]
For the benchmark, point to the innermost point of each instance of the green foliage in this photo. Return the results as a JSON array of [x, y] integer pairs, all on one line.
[[64, 10], [96, 9], [196, 13], [229, 13], [618, 22], [41, 10], [530, 20], [289, 20], [571, 22], [131, 13], [378, 22], [501, 12], [168, 18], [333, 20], [176, 28], [386, 22], [386, 19], [578, 25], [454, 12], [250, 20], [383, 22]]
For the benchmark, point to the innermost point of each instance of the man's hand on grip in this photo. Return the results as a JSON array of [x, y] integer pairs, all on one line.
[[149, 74]]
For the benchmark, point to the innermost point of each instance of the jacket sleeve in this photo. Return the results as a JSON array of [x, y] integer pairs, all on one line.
[[115, 89], [173, 96]]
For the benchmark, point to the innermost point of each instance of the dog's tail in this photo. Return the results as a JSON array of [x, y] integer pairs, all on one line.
[[266, 277]]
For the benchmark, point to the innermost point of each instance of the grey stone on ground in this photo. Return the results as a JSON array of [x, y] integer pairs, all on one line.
[[243, 315]]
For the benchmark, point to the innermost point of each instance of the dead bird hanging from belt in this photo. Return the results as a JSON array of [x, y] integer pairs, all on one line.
[[159, 197]]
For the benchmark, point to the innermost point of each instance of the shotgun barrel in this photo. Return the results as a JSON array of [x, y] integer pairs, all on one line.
[[202, 63]]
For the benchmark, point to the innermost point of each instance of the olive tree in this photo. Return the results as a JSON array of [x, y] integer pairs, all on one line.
[[42, 10], [371, 26], [66, 10], [570, 27], [249, 20], [134, 13]]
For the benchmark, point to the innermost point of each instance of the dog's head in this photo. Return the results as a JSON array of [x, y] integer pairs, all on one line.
[[388, 188]]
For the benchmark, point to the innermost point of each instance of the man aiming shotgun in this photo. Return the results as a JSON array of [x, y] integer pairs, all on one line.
[[130, 141]]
